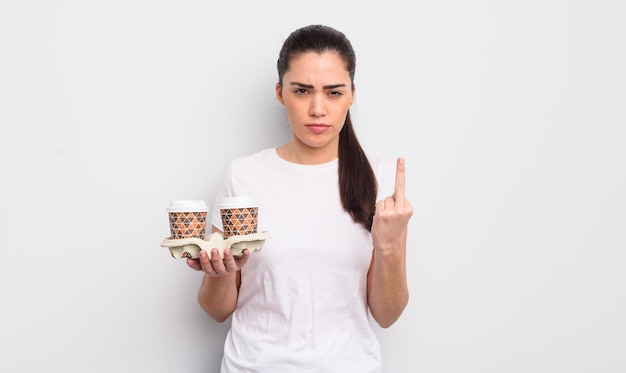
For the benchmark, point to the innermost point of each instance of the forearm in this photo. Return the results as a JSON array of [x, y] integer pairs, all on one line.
[[388, 292], [218, 296]]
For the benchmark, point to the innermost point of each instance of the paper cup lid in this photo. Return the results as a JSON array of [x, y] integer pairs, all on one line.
[[188, 205], [237, 202]]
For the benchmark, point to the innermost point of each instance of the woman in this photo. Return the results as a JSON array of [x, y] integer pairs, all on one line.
[[302, 304]]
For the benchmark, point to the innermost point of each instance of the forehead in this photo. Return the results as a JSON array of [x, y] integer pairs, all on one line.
[[328, 67]]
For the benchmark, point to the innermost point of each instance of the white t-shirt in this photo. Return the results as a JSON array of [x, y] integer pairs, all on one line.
[[302, 304]]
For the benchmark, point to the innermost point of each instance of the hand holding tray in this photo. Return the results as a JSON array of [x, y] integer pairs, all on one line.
[[190, 247]]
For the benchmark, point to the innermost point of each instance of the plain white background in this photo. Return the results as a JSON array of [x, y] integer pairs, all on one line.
[[511, 116]]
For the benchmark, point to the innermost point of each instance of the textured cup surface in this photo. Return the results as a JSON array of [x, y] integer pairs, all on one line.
[[240, 216], [187, 218]]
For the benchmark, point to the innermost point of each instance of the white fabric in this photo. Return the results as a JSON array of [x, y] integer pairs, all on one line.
[[302, 303]]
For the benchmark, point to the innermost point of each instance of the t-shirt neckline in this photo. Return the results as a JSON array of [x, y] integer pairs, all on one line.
[[305, 168]]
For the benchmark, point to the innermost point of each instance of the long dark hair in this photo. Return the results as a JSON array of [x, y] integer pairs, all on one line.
[[357, 182]]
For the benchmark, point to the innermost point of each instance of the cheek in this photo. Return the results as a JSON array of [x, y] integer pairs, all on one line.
[[293, 116], [295, 109]]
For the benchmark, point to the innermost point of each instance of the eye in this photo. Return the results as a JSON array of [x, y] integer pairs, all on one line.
[[300, 91], [335, 93]]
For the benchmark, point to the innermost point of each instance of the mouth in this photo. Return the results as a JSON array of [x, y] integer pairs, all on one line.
[[317, 127]]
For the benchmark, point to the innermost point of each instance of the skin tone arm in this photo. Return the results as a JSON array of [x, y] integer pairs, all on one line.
[[220, 285], [387, 290]]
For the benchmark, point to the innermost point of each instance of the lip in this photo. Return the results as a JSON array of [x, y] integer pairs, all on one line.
[[317, 127]]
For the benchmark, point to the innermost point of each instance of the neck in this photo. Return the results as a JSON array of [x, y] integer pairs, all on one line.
[[307, 155]]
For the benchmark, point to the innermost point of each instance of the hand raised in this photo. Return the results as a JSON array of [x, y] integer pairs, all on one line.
[[392, 213]]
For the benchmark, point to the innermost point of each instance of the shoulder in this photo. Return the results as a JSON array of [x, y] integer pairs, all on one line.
[[254, 159], [243, 171]]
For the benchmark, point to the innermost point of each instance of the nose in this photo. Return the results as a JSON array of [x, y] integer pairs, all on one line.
[[318, 106]]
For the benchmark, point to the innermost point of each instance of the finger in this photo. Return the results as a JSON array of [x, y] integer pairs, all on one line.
[[398, 193], [217, 262], [229, 261], [389, 203], [194, 264], [205, 262], [242, 259]]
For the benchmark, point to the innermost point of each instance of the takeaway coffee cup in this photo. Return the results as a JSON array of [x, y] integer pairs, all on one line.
[[187, 218], [239, 215]]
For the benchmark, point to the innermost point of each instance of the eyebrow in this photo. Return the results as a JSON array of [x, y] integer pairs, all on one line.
[[310, 86]]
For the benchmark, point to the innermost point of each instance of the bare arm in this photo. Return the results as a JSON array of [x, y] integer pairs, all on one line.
[[387, 290], [219, 289]]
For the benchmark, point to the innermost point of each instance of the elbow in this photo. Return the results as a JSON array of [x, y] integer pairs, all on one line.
[[388, 321], [217, 314], [219, 318], [389, 317]]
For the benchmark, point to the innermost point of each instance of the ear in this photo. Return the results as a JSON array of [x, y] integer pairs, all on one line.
[[279, 93], [353, 95]]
